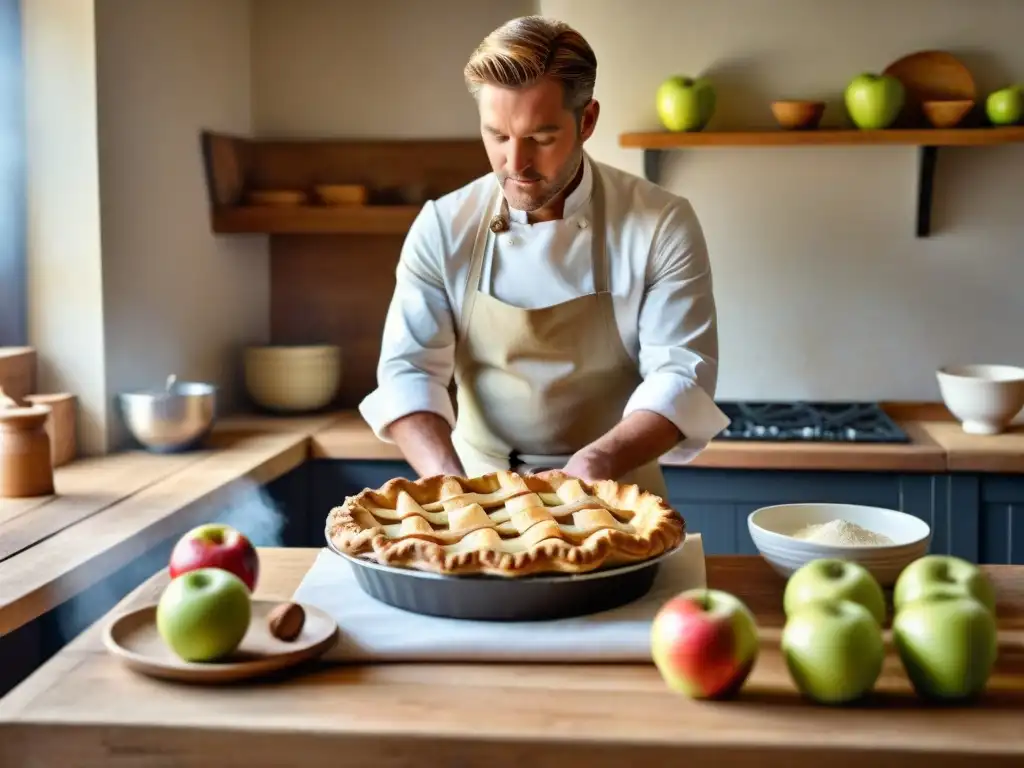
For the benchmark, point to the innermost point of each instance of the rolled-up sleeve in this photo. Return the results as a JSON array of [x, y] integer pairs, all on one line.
[[417, 356], [678, 334]]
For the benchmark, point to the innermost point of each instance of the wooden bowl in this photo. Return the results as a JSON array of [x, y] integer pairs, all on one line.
[[946, 114], [933, 76], [276, 197], [798, 115], [342, 194]]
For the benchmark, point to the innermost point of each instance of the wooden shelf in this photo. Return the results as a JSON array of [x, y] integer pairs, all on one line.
[[399, 175], [922, 137], [311, 220], [927, 140]]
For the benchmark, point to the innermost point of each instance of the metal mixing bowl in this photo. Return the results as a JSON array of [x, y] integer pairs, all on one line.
[[175, 418]]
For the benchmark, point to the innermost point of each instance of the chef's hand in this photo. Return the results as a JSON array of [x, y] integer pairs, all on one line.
[[588, 465], [641, 437]]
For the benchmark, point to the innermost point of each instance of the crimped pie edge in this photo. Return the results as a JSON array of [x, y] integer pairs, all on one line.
[[662, 528]]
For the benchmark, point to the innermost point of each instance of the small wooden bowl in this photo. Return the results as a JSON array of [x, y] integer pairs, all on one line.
[[946, 113], [342, 194], [798, 115], [276, 197]]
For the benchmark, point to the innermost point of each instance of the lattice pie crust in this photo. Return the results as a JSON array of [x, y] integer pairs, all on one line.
[[505, 524]]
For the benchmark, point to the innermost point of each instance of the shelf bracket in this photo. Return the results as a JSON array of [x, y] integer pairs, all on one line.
[[652, 164], [925, 186]]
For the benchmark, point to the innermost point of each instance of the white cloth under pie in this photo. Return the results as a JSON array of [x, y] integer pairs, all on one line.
[[374, 631], [660, 280]]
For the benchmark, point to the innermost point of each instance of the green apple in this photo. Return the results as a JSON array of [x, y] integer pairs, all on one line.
[[1005, 106], [833, 579], [874, 101], [948, 644], [685, 103], [942, 573], [204, 614], [833, 650]]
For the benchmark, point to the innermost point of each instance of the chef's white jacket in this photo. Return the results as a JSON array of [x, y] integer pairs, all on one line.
[[659, 277]]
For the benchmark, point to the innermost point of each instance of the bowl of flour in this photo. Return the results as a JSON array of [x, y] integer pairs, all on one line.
[[883, 540]]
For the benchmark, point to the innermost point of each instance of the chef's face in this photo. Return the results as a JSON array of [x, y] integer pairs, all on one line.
[[533, 141]]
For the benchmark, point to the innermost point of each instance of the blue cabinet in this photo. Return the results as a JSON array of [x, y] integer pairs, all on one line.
[[1000, 510], [332, 480], [717, 502]]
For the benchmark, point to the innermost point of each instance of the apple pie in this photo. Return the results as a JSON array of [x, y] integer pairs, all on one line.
[[505, 524]]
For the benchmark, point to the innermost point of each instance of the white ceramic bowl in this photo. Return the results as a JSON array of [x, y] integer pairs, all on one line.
[[772, 530], [293, 379], [985, 398]]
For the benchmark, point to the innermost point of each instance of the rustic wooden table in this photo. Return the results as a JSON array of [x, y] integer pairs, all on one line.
[[84, 709]]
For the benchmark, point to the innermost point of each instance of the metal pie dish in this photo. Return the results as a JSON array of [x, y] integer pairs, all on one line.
[[539, 597]]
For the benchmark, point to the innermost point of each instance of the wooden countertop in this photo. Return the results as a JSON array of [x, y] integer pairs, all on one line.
[[109, 510], [978, 453], [82, 708], [937, 445], [350, 438]]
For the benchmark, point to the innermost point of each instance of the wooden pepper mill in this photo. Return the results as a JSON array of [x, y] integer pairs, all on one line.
[[26, 468]]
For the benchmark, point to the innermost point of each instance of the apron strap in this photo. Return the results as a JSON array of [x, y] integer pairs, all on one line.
[[599, 254], [476, 262], [599, 242]]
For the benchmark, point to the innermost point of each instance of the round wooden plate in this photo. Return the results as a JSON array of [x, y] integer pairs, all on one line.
[[934, 76], [134, 639]]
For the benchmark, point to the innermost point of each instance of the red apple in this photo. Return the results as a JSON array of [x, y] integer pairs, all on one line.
[[216, 545], [704, 643]]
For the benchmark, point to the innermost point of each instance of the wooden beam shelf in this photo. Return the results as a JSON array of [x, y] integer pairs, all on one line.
[[399, 175], [315, 219], [927, 140]]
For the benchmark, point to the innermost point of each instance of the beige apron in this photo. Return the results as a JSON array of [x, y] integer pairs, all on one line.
[[536, 385]]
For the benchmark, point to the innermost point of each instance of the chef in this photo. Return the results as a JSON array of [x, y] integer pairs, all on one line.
[[571, 301]]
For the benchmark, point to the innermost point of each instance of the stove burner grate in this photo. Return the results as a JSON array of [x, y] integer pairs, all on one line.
[[776, 421]]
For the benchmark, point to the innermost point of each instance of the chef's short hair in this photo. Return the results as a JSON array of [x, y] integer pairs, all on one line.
[[523, 50]]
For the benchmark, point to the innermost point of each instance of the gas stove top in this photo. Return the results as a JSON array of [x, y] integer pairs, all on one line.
[[836, 422]]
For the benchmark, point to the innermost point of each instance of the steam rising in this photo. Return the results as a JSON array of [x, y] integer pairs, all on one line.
[[251, 510]]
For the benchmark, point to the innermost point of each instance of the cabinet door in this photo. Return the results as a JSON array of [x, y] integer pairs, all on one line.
[[717, 502], [280, 516], [949, 504], [1001, 519], [333, 479]]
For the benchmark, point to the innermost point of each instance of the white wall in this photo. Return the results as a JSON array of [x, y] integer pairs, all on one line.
[[822, 287], [177, 299], [387, 68], [63, 239], [126, 282]]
